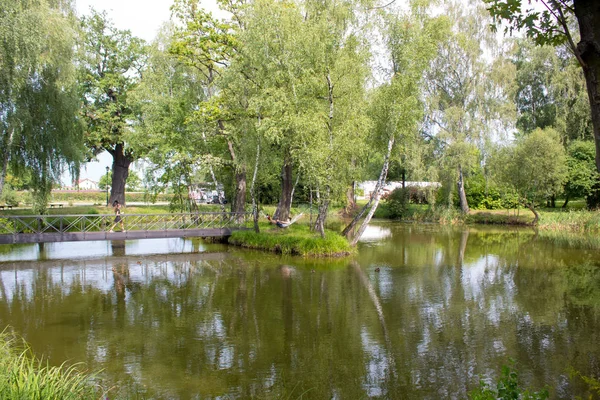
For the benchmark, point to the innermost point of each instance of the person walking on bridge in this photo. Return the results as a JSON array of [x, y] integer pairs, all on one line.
[[118, 218]]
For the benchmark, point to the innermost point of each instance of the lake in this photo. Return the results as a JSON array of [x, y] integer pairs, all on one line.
[[421, 312]]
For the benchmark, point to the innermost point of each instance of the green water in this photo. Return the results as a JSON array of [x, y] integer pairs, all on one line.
[[422, 312]]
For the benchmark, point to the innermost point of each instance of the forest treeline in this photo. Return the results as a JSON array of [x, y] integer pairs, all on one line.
[[289, 100]]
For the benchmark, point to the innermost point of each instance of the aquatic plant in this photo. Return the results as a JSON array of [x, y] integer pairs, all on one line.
[[507, 388], [22, 376]]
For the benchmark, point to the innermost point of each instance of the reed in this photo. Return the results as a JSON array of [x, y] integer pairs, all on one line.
[[22, 376], [573, 221]]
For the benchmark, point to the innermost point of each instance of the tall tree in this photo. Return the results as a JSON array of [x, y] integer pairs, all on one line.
[[208, 45], [39, 100], [551, 91], [553, 25], [464, 100], [111, 66], [166, 98], [411, 39]]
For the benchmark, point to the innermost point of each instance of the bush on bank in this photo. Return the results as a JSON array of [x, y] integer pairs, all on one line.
[[22, 376], [295, 240]]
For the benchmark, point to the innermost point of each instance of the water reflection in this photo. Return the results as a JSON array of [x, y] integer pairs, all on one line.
[[424, 314], [100, 248]]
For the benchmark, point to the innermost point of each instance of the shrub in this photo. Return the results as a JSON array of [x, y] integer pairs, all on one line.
[[398, 201], [9, 197]]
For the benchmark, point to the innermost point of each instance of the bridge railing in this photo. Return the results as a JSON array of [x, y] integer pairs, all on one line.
[[39, 224]]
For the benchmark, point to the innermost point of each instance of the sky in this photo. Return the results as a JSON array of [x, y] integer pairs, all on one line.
[[143, 18]]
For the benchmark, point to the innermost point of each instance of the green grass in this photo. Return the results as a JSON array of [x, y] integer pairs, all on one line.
[[22, 376], [295, 240]]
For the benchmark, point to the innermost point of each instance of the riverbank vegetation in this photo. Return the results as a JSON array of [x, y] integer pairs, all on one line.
[[22, 376], [296, 240]]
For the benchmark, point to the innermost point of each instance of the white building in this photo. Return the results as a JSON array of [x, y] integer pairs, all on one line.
[[87, 184], [368, 187]]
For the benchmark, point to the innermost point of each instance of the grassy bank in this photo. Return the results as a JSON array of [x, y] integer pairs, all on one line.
[[22, 376], [295, 240], [551, 219]]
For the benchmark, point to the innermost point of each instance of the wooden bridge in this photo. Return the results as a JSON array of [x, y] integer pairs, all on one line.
[[74, 228]]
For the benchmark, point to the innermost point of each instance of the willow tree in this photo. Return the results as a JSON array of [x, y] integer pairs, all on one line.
[[111, 65], [40, 132]]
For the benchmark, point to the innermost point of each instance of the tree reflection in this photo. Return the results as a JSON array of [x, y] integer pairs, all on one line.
[[448, 308]]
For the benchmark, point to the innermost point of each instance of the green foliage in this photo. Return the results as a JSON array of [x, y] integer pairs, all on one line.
[[40, 133], [534, 167], [542, 26], [110, 68], [22, 376], [582, 174], [593, 383], [9, 197], [398, 202], [507, 388]]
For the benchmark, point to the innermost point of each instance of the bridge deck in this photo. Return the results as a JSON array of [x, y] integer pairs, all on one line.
[[71, 228]]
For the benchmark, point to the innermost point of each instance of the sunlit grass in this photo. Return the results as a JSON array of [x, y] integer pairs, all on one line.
[[298, 239]]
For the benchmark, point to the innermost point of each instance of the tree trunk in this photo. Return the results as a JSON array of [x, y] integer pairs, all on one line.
[[323, 208], [239, 202], [253, 190], [378, 186], [566, 201], [536, 215], [588, 49], [285, 200], [350, 202], [374, 199], [5, 158], [120, 172], [239, 198], [464, 206]]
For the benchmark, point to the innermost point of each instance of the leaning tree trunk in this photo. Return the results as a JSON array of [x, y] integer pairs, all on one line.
[[536, 215], [464, 205], [120, 170], [375, 199], [287, 186], [566, 201], [588, 55], [382, 176]]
